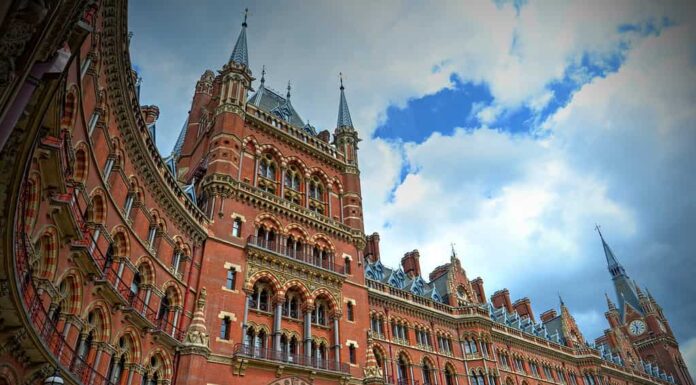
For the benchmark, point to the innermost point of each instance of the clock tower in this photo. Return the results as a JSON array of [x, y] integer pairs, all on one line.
[[638, 321]]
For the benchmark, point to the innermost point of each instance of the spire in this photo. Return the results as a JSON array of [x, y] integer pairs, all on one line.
[[560, 300], [288, 94], [626, 292], [343, 113], [613, 264], [240, 54], [610, 304], [197, 338], [263, 74]]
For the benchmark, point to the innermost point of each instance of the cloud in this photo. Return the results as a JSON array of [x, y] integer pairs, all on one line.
[[520, 207]]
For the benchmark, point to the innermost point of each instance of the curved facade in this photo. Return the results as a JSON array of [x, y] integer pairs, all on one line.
[[241, 256]]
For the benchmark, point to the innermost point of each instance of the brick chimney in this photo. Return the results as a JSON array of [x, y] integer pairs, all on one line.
[[411, 264], [523, 307], [477, 286], [548, 315], [501, 298], [324, 135], [150, 113], [372, 247]]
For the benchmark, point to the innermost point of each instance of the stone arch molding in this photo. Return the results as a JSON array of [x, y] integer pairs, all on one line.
[[290, 381]]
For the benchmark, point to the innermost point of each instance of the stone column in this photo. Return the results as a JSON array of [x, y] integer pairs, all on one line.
[[308, 331], [337, 342], [256, 167], [277, 317]]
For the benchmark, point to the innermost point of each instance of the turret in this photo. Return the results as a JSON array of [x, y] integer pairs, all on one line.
[[236, 76], [346, 140]]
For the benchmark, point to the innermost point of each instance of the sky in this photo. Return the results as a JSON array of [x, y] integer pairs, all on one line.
[[509, 128]]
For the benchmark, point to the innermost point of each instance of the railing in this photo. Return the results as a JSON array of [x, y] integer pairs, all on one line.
[[304, 254], [38, 314], [297, 359]]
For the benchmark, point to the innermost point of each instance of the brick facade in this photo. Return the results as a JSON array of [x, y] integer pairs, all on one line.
[[241, 257]]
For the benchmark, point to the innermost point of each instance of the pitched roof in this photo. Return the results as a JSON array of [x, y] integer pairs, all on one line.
[[271, 102]]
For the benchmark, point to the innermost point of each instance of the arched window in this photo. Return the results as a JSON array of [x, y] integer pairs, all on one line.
[[260, 297], [427, 373], [81, 165], [117, 364], [316, 195], [237, 227], [267, 174], [163, 312], [293, 183], [319, 313], [449, 376], [135, 284], [403, 370], [266, 238], [347, 267]]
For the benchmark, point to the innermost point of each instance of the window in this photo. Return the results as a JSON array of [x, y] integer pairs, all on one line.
[[347, 266], [351, 353], [292, 185], [427, 373], [237, 227], [92, 122], [176, 261], [449, 376], [260, 298], [316, 196], [349, 311], [319, 314], [519, 365], [492, 380], [151, 236], [225, 328], [267, 174], [231, 277], [128, 205], [108, 167], [534, 368]]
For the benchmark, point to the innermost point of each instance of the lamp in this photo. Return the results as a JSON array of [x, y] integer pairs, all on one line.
[[54, 379]]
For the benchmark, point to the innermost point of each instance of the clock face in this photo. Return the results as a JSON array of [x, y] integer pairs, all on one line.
[[636, 327]]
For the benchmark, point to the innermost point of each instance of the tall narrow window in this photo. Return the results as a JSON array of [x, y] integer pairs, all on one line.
[[128, 205], [151, 236], [237, 227], [351, 353], [108, 167], [347, 266], [225, 328], [231, 278], [176, 261], [92, 122], [350, 312]]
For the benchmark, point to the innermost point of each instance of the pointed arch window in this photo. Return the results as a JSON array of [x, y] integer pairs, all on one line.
[[316, 195], [267, 174], [293, 183]]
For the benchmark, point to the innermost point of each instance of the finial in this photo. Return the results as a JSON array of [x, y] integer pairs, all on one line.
[[288, 94], [340, 76], [246, 13], [263, 74], [560, 299], [454, 253], [598, 228]]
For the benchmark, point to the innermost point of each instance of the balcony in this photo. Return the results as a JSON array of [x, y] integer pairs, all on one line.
[[271, 355], [303, 255]]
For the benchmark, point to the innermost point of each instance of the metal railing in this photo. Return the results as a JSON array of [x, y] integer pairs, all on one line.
[[297, 359], [304, 254]]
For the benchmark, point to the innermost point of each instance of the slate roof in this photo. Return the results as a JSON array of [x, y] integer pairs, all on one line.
[[397, 278], [272, 102]]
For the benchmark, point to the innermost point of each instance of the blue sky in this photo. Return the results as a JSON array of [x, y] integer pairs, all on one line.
[[508, 128]]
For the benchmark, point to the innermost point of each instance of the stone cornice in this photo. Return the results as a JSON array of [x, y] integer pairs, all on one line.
[[230, 188], [141, 150]]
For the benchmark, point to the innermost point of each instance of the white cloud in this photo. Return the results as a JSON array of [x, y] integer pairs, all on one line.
[[521, 209]]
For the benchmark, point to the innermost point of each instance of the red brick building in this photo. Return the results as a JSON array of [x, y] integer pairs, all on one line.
[[240, 257]]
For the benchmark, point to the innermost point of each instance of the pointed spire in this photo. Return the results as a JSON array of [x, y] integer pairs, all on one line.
[[610, 304], [344, 119], [288, 94], [240, 54], [613, 264], [560, 300], [197, 338], [263, 74]]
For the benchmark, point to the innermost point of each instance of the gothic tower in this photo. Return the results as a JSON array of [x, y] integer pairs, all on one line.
[[639, 319]]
